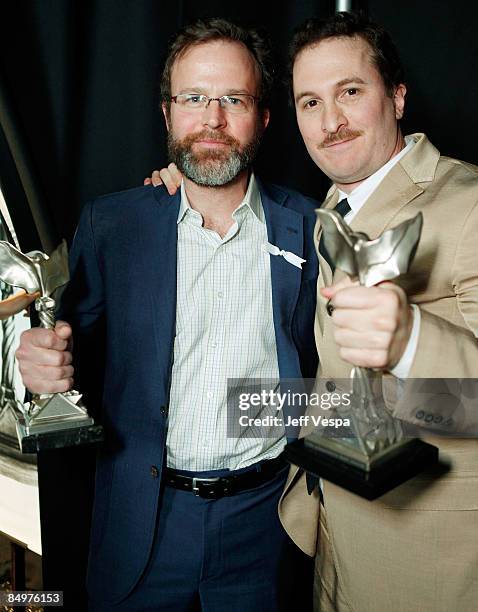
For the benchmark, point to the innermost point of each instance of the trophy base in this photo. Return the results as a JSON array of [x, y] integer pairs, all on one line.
[[54, 421], [73, 434], [371, 479]]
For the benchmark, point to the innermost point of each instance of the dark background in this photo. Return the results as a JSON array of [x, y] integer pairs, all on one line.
[[81, 77]]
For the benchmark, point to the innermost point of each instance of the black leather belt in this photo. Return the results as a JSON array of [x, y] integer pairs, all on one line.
[[214, 488]]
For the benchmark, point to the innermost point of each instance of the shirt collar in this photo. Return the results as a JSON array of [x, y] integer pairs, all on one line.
[[360, 194], [252, 201]]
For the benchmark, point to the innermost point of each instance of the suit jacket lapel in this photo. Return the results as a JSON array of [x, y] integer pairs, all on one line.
[[284, 230], [405, 181], [161, 277], [395, 191], [325, 272]]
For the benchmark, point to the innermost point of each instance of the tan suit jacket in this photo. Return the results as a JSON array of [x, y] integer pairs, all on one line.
[[415, 548]]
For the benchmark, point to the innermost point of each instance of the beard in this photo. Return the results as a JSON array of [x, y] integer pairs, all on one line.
[[213, 167]]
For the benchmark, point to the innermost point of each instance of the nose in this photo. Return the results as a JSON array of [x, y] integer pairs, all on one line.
[[214, 116], [333, 118]]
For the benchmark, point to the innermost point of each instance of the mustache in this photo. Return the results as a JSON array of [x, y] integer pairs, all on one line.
[[190, 139], [344, 134]]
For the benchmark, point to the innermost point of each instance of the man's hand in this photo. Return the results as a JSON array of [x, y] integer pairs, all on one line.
[[170, 177], [372, 324], [44, 359]]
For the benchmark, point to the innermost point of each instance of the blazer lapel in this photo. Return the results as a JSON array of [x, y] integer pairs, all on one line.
[[325, 272], [161, 278], [394, 192], [284, 230], [405, 181]]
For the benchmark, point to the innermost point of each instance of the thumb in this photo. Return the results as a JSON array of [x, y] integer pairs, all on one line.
[[327, 292], [63, 330], [330, 292]]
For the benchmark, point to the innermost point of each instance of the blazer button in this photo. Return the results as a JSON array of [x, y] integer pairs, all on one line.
[[330, 385], [429, 418], [154, 471], [420, 414]]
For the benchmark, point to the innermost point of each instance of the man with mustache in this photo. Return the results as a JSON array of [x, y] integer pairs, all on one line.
[[181, 294], [416, 547]]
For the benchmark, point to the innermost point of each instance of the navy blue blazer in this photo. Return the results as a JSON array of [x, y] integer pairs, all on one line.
[[121, 303]]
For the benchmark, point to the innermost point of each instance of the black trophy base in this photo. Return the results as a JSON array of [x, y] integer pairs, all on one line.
[[61, 438], [403, 464]]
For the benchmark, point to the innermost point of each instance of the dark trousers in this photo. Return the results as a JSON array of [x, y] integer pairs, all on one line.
[[224, 555]]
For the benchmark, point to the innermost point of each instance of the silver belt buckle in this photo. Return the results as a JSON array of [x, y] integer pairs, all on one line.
[[195, 488]]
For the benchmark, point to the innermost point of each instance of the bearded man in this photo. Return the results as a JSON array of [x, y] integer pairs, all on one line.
[[181, 293]]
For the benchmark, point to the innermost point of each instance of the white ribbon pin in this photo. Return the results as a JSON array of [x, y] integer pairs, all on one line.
[[293, 259]]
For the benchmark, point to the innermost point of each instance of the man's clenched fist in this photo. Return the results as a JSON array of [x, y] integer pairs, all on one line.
[[44, 359], [372, 324]]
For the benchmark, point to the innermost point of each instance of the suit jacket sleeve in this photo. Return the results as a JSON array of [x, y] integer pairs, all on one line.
[[448, 348], [456, 337]]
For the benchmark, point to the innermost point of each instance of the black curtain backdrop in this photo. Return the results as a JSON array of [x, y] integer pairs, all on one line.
[[82, 76]]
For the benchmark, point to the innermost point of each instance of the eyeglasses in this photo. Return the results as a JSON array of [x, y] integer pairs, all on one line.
[[234, 104]]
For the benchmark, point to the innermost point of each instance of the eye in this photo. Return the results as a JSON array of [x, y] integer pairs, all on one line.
[[194, 99], [352, 91], [311, 105], [233, 101]]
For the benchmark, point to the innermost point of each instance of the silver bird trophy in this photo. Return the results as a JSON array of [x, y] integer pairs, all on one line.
[[52, 420], [375, 457]]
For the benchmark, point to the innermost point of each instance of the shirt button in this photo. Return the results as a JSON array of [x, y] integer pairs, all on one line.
[[214, 345], [220, 294], [154, 471], [330, 385], [209, 395]]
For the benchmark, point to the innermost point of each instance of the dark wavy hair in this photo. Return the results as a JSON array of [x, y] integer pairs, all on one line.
[[207, 30], [353, 25]]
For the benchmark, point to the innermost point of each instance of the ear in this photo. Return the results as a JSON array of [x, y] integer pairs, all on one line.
[[266, 115], [165, 109], [399, 100]]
